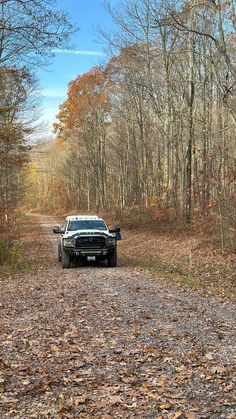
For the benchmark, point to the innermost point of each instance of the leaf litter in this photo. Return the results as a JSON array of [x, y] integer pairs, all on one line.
[[111, 343]]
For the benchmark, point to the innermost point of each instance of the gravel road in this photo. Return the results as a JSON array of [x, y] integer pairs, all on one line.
[[108, 343]]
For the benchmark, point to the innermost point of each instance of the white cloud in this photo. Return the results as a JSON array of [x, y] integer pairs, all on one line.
[[78, 52]]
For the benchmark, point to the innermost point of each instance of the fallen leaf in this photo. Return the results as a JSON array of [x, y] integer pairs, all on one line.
[[209, 356], [115, 400], [26, 382], [165, 406], [192, 415], [79, 400], [55, 348], [129, 379], [175, 415], [218, 370]]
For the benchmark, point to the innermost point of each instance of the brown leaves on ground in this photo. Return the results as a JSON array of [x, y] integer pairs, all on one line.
[[111, 343], [183, 258]]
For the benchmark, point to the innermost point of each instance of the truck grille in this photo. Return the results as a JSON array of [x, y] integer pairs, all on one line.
[[91, 242]]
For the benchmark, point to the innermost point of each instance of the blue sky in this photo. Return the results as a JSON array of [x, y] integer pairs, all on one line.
[[88, 51]]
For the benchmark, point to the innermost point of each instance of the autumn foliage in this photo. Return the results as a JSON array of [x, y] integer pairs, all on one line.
[[152, 133]]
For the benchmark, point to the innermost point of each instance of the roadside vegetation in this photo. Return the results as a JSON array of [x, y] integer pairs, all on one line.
[[13, 256]]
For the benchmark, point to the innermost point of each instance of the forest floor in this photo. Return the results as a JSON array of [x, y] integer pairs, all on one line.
[[182, 257], [98, 342]]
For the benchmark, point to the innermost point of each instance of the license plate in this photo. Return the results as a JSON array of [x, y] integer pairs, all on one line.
[[91, 257]]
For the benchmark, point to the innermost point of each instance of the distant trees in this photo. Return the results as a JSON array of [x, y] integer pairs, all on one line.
[[43, 179]]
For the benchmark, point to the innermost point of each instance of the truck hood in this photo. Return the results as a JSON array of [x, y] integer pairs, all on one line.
[[75, 234]]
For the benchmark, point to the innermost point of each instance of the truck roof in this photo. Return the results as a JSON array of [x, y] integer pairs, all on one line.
[[82, 217]]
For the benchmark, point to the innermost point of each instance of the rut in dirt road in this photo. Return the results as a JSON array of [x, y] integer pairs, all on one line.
[[110, 343]]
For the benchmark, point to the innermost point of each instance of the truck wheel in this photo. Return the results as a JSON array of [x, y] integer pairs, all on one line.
[[65, 259], [112, 260], [59, 252]]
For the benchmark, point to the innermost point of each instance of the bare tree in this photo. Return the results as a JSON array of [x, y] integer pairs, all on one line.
[[30, 31]]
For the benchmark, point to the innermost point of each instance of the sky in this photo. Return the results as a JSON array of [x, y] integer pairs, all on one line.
[[88, 51]]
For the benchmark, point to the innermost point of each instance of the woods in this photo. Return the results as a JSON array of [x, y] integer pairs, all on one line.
[[29, 31], [154, 129]]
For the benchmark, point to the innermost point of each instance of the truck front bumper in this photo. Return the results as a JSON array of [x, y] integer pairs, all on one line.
[[84, 252]]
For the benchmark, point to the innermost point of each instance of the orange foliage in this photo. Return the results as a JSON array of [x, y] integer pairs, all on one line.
[[85, 93]]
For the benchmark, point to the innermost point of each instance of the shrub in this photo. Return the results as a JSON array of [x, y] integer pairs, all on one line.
[[8, 252]]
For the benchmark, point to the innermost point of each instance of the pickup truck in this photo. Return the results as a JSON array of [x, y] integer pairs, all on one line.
[[87, 238]]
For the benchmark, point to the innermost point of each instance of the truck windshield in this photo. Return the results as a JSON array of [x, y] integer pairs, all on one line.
[[86, 225]]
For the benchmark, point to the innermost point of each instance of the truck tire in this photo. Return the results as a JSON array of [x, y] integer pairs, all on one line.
[[59, 252], [65, 259], [112, 260]]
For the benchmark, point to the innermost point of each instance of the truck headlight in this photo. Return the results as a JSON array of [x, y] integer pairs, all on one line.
[[69, 242], [111, 241]]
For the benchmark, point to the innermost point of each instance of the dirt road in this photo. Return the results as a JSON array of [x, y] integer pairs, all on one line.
[[98, 342]]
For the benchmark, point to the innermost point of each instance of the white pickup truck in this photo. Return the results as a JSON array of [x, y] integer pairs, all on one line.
[[87, 238]]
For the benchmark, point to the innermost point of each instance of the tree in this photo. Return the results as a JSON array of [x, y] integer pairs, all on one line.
[[83, 119], [30, 30], [16, 87]]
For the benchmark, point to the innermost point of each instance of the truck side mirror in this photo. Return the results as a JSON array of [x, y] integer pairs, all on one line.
[[58, 230], [117, 231]]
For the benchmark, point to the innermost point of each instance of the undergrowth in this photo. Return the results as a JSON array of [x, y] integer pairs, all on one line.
[[10, 248]]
